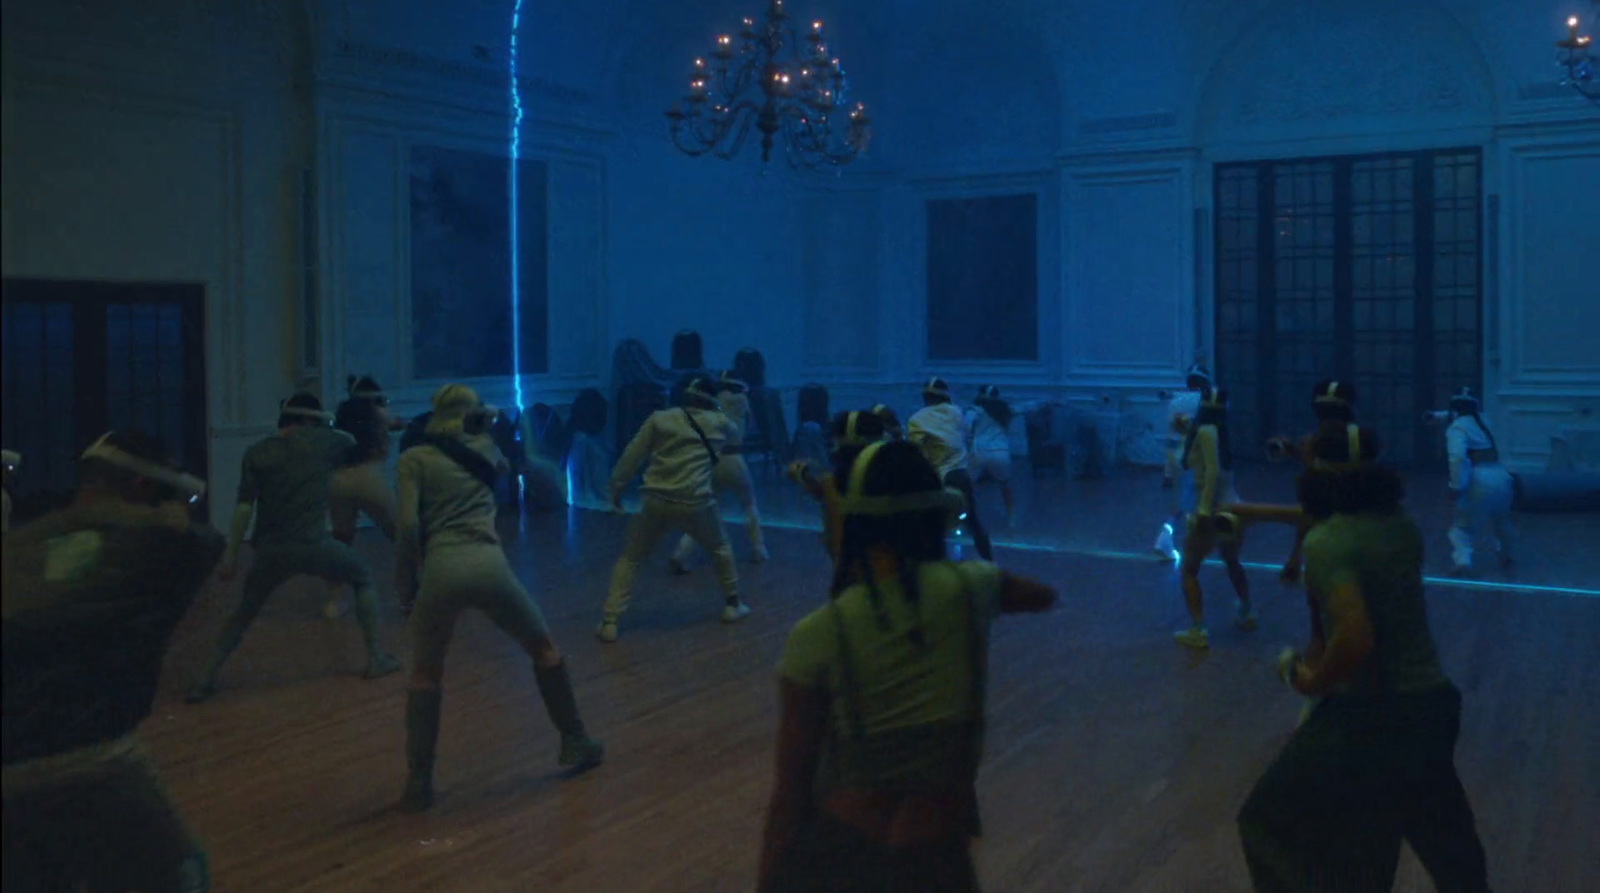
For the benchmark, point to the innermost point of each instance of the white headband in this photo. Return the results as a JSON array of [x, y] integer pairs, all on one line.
[[187, 484]]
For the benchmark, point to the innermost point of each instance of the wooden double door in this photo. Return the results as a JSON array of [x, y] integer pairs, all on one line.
[[83, 358]]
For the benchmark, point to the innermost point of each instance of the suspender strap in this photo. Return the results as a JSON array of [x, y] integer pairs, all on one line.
[[704, 441], [468, 458]]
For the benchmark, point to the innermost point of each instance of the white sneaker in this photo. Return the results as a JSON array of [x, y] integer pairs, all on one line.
[[1194, 637], [735, 613], [1164, 545], [607, 630]]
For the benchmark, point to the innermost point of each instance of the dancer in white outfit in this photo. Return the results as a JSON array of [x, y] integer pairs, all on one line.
[[1480, 486], [988, 424], [732, 474], [939, 430], [1181, 410]]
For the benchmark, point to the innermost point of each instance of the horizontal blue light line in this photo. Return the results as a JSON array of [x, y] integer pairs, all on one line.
[[1152, 559]]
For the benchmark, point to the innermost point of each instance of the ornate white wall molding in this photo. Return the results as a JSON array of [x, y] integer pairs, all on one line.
[[908, 267], [365, 274], [1547, 294], [1342, 69], [1128, 283]]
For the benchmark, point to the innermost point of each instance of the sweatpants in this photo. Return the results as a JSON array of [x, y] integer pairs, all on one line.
[[1483, 512], [1358, 777], [361, 488], [96, 819], [829, 856], [732, 475], [961, 479], [456, 577], [657, 518]]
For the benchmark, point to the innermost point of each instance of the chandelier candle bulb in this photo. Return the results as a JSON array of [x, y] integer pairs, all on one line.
[[782, 83]]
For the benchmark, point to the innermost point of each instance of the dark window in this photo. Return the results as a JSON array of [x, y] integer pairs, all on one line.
[[983, 278], [1363, 268], [461, 290]]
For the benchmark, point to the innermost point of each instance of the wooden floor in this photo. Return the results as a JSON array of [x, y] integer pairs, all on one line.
[[1116, 759]]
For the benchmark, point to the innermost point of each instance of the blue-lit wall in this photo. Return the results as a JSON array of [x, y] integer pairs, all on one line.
[[170, 140]]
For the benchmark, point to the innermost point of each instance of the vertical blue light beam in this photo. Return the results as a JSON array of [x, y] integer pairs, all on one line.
[[514, 190]]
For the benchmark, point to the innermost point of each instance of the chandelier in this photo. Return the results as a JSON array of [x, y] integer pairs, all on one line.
[[769, 80], [1576, 57]]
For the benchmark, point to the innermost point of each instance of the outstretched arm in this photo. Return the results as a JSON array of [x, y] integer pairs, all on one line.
[[632, 459], [1345, 650]]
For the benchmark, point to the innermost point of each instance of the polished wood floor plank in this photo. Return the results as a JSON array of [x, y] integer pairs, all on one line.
[[1116, 759]]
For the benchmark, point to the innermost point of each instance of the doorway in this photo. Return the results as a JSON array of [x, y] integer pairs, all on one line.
[[83, 358], [1362, 268]]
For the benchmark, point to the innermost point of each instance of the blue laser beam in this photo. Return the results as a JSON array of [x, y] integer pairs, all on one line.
[[515, 189]]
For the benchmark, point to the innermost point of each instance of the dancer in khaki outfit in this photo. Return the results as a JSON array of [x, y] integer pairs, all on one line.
[[681, 446], [447, 531], [732, 474]]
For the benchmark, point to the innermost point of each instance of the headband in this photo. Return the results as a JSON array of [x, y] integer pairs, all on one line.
[[728, 379], [187, 484], [1331, 395], [851, 438], [367, 393], [950, 501], [1353, 435], [304, 412], [936, 386]]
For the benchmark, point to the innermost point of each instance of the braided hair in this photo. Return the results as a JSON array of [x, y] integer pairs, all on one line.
[[915, 536]]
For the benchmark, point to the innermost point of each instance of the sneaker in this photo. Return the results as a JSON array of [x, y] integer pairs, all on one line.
[[1194, 637], [607, 630], [1164, 546], [581, 751], [1246, 620], [676, 567], [381, 665], [735, 612]]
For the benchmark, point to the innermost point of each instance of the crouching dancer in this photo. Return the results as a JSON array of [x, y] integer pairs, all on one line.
[[92, 594]]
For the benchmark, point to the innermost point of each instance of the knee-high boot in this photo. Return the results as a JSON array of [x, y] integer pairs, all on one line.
[[422, 741], [555, 687]]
